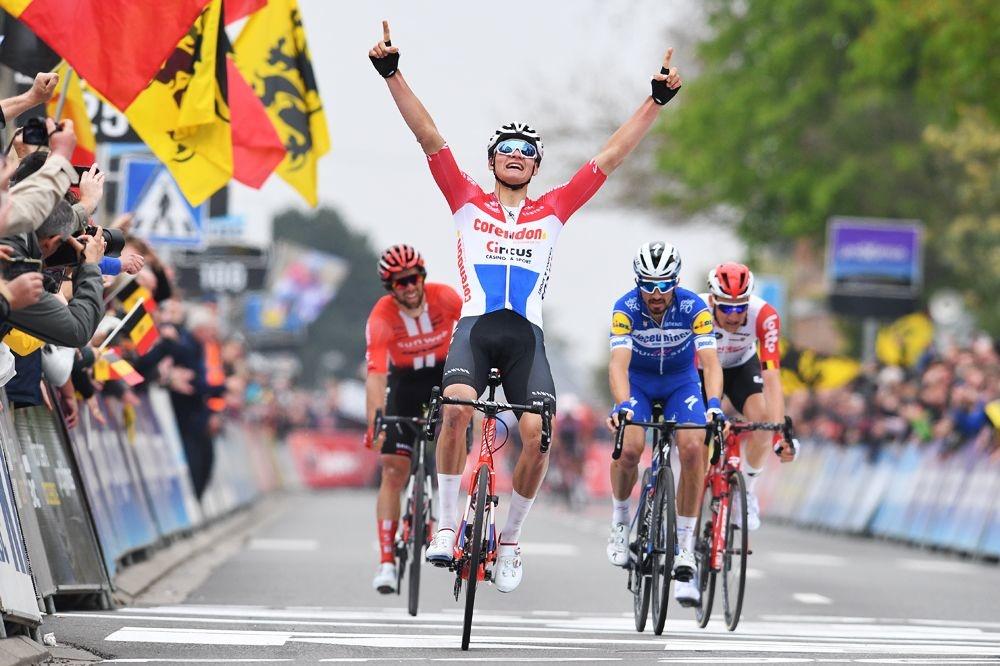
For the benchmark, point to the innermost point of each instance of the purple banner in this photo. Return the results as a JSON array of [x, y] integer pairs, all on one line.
[[880, 257]]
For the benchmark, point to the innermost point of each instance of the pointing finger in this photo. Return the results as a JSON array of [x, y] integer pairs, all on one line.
[[667, 57], [385, 31]]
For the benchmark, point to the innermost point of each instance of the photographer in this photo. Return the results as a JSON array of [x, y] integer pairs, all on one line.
[[33, 198], [49, 319]]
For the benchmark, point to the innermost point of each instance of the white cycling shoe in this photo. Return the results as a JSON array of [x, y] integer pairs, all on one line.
[[441, 551], [508, 571], [686, 593], [385, 578], [684, 567], [618, 545], [753, 512]]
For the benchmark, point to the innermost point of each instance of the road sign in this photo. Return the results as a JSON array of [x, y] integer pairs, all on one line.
[[162, 214], [232, 269]]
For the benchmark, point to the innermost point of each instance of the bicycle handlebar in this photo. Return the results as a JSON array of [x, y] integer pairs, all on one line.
[[492, 408], [786, 428], [414, 423], [665, 426]]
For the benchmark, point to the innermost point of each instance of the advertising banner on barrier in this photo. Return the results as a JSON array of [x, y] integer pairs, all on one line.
[[17, 592], [332, 459], [162, 413]]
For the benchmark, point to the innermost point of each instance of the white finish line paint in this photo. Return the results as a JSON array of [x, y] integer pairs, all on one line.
[[811, 598], [808, 559], [284, 545]]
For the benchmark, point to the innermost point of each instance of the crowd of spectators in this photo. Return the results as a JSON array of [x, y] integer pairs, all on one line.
[[949, 398]]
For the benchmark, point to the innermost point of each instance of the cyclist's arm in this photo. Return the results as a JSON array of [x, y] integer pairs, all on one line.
[[618, 374], [374, 394], [627, 137], [377, 359], [415, 115], [768, 335], [708, 360], [774, 397]]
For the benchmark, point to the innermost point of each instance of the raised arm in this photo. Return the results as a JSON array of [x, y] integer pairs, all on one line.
[[385, 58], [665, 85]]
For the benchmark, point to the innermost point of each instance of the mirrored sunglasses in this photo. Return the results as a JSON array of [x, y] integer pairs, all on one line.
[[733, 309], [508, 146], [663, 286]]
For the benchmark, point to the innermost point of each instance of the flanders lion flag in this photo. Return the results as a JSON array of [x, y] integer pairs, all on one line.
[[272, 54], [183, 116], [76, 110]]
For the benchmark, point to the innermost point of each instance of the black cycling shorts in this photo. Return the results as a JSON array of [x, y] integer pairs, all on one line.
[[505, 340], [740, 382], [408, 393]]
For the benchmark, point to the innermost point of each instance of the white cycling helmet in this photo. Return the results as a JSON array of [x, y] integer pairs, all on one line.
[[515, 131], [657, 260]]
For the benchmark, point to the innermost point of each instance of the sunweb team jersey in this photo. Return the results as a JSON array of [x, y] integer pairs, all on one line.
[[667, 348], [505, 255], [412, 343], [758, 334]]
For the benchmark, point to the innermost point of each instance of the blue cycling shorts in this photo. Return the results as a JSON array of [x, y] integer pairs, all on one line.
[[681, 396]]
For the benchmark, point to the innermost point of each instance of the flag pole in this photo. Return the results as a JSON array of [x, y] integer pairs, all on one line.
[[118, 328], [62, 94]]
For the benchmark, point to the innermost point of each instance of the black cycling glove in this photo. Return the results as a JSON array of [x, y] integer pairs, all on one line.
[[661, 93], [388, 65]]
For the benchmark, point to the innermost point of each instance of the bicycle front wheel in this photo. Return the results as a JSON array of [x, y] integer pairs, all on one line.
[[418, 537], [704, 575], [734, 559], [640, 565], [664, 546], [474, 544]]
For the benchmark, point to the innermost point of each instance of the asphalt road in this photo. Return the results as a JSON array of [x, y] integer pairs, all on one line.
[[300, 591]]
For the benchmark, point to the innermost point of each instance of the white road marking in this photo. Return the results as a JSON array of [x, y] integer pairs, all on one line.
[[736, 660], [809, 559], [530, 548], [937, 566], [755, 574], [160, 660], [284, 545], [811, 598]]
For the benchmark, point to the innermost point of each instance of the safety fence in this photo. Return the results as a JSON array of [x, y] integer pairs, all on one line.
[[921, 494], [78, 504]]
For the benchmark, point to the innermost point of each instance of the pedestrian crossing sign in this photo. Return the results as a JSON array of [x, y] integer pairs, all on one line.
[[162, 214]]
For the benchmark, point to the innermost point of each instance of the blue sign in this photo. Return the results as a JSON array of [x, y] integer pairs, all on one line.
[[161, 213], [871, 256]]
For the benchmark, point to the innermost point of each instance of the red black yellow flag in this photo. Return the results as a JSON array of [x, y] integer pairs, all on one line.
[[111, 365]]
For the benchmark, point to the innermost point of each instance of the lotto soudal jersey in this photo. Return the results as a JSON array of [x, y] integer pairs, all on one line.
[[759, 333], [667, 348], [412, 342], [505, 255]]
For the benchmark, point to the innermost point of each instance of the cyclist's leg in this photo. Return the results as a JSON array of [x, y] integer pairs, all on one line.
[[745, 388], [685, 404], [625, 470]]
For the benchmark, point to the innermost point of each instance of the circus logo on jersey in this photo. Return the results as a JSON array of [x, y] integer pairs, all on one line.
[[702, 323], [620, 324], [497, 251], [523, 234]]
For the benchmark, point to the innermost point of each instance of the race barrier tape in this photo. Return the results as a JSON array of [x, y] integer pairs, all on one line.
[[918, 493], [77, 504]]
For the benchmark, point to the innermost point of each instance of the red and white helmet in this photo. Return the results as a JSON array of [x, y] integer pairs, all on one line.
[[397, 259], [731, 282]]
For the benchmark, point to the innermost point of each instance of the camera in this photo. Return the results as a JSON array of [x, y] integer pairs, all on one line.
[[35, 133], [66, 254], [17, 266]]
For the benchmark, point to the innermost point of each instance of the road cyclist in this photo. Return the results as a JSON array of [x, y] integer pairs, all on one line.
[[658, 329], [505, 246], [407, 336]]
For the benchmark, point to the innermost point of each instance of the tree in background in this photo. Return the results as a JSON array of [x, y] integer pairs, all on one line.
[[340, 329], [815, 108]]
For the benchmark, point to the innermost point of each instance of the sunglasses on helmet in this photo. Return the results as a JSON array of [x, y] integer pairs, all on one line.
[[404, 282], [733, 309], [650, 286], [508, 146]]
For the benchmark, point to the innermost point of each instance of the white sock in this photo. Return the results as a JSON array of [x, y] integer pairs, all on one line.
[[518, 511], [685, 531], [622, 512], [752, 474], [449, 486]]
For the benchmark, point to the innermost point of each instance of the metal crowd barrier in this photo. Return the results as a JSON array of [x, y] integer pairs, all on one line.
[[914, 493], [76, 505]]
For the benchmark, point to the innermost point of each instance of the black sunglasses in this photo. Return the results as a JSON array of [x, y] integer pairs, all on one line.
[[399, 283]]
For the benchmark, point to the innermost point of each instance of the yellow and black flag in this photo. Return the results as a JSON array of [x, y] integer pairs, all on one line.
[[272, 54], [137, 327], [183, 115], [130, 294]]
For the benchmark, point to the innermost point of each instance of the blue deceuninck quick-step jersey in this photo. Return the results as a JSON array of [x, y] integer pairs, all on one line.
[[667, 348]]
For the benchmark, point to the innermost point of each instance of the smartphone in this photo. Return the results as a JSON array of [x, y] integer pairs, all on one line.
[[80, 170]]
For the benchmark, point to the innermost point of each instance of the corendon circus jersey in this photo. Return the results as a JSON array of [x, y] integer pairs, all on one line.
[[505, 263]]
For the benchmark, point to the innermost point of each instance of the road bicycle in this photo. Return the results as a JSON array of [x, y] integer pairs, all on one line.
[[723, 542], [416, 525], [653, 531], [477, 542]]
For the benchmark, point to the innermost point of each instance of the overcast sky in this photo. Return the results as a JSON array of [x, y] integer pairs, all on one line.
[[475, 66]]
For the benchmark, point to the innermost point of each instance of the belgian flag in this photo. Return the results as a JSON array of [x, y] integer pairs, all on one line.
[[130, 294], [76, 110], [112, 366], [137, 327]]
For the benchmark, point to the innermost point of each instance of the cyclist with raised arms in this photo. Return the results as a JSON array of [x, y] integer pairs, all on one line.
[[747, 329], [407, 334], [504, 251], [657, 331]]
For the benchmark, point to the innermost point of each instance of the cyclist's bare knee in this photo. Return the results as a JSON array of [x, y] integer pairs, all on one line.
[[632, 448], [455, 418], [691, 448], [395, 472], [530, 426]]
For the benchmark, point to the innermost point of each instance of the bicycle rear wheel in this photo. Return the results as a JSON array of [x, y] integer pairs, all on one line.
[[640, 566], [734, 558], [475, 540], [664, 546], [418, 536], [704, 575]]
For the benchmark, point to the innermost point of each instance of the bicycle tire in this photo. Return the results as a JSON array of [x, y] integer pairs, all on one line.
[[418, 538], [476, 554], [640, 581], [665, 545], [703, 556], [734, 586]]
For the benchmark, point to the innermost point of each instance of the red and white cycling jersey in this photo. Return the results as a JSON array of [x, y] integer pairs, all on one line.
[[505, 256], [411, 343], [760, 332]]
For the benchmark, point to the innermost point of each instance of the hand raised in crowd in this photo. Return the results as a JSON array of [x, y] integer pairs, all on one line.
[[62, 137], [91, 248], [43, 87], [25, 290], [92, 189], [123, 222], [180, 380], [132, 263]]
